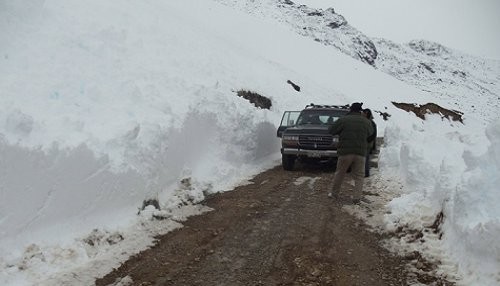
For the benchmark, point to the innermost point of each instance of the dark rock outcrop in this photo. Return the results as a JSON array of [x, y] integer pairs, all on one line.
[[429, 48], [255, 98], [430, 108]]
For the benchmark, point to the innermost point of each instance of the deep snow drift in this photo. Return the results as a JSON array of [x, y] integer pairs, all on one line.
[[105, 105]]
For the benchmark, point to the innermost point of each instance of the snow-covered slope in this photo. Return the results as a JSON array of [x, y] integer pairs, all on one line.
[[467, 83], [463, 82], [107, 104]]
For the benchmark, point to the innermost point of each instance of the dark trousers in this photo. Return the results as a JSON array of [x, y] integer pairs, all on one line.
[[367, 165]]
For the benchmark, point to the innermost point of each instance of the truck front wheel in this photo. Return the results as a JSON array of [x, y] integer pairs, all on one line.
[[287, 161]]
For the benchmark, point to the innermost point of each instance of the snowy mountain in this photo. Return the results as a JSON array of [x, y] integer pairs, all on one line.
[[324, 26], [441, 71], [113, 112]]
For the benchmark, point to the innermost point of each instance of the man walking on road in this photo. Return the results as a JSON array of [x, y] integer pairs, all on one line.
[[353, 130]]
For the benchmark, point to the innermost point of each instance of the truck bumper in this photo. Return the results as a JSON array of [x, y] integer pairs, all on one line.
[[309, 153]]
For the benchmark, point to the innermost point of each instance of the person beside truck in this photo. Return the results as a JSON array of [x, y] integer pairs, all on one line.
[[354, 131]]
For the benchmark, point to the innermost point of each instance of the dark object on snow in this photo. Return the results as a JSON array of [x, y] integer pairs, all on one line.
[[315, 13], [150, 202], [384, 115], [430, 108], [335, 25], [427, 67], [296, 87], [255, 98]]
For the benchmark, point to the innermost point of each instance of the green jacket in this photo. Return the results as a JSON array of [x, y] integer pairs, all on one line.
[[353, 130]]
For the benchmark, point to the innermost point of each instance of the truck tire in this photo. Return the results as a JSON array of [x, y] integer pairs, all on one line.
[[288, 161]]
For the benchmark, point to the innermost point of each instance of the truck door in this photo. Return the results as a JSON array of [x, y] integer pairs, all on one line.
[[289, 119]]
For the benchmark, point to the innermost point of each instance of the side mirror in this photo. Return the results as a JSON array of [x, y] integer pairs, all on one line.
[[279, 132]]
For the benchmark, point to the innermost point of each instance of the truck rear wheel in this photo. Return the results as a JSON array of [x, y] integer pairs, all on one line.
[[288, 161]]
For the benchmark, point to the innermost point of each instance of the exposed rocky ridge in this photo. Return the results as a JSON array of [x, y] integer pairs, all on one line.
[[450, 75], [324, 26]]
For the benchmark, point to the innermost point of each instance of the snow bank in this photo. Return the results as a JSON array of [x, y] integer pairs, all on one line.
[[472, 226], [450, 168], [97, 115]]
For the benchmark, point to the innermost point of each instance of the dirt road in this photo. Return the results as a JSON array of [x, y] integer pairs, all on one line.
[[280, 230]]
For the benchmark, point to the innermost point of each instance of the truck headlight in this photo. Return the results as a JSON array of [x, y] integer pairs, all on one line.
[[291, 137], [291, 141]]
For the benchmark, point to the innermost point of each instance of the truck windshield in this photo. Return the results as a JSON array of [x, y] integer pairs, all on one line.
[[319, 117]]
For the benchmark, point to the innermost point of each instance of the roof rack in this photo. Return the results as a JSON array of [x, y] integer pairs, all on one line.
[[312, 105]]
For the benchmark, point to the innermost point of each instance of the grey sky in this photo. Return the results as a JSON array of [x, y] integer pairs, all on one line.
[[471, 26]]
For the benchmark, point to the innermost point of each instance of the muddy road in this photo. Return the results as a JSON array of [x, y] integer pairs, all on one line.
[[281, 229]]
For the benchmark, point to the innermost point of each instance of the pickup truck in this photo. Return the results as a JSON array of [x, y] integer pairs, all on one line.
[[304, 134]]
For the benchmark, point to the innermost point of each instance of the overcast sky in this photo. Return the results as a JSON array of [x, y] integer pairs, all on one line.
[[468, 25]]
